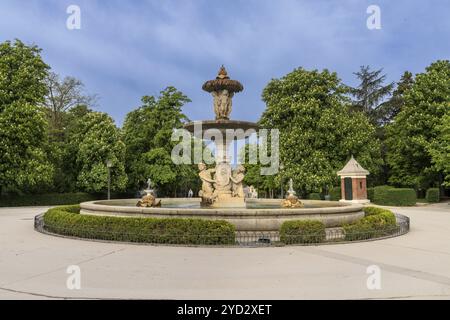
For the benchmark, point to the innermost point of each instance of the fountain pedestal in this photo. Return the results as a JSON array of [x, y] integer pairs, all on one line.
[[222, 187]]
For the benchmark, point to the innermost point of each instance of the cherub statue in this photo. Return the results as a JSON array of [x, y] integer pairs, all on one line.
[[237, 178], [207, 190]]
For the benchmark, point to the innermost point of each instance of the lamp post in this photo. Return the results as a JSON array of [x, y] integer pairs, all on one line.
[[109, 166], [281, 180]]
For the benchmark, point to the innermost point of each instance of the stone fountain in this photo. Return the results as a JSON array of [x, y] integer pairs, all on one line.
[[222, 186]]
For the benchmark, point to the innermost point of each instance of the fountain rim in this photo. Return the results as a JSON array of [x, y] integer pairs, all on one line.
[[221, 125], [100, 207]]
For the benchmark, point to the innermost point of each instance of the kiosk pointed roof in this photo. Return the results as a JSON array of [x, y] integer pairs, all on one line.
[[353, 168]]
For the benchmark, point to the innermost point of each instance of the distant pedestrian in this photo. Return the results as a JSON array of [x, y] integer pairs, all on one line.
[[190, 193]]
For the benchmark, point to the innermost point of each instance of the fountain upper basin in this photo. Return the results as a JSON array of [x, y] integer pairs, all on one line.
[[259, 214], [221, 125]]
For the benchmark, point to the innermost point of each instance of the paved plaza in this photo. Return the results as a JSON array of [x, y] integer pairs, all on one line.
[[416, 265]]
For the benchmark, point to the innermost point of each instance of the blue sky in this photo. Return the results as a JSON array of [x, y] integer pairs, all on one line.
[[127, 49]]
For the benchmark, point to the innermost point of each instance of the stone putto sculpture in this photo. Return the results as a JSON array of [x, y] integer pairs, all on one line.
[[207, 190], [237, 179], [220, 182]]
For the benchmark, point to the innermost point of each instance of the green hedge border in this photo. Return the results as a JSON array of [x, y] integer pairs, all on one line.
[[390, 196], [67, 221], [56, 199], [302, 231], [48, 199], [377, 223]]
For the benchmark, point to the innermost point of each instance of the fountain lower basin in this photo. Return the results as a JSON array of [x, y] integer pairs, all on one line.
[[259, 214]]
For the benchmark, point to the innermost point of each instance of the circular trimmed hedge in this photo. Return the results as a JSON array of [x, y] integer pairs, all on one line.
[[377, 222], [302, 231], [66, 220]]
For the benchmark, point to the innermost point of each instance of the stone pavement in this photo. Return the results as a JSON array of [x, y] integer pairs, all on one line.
[[416, 265]]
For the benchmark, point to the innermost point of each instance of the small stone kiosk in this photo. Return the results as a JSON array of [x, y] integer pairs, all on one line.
[[353, 182]]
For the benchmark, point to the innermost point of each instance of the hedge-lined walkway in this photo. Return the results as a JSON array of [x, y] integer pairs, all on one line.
[[34, 265]]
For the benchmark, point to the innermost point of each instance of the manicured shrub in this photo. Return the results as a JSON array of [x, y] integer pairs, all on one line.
[[388, 215], [433, 195], [377, 222], [389, 196], [335, 194], [67, 221], [370, 192], [302, 231], [314, 196], [49, 199]]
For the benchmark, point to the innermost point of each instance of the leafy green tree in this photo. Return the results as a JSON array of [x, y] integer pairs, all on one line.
[[23, 130], [317, 132], [385, 114], [97, 140], [370, 92], [23, 162], [416, 129], [22, 74], [440, 148], [147, 136], [63, 154]]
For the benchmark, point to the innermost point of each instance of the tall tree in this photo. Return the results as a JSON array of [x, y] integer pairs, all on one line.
[[416, 128], [98, 140], [387, 111], [317, 133], [63, 153], [371, 91], [439, 149], [23, 162], [147, 136], [62, 95], [22, 74]]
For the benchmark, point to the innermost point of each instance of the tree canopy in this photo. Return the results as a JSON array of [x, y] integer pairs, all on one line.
[[147, 136], [22, 74], [419, 129], [97, 140], [388, 110], [23, 162], [370, 92], [318, 134], [23, 128]]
